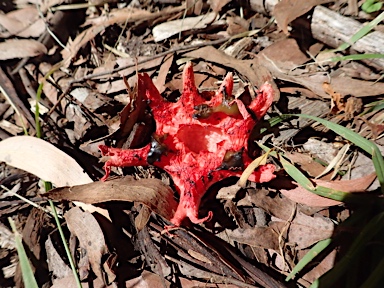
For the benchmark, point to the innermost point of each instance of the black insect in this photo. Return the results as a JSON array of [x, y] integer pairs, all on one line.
[[157, 149], [233, 160]]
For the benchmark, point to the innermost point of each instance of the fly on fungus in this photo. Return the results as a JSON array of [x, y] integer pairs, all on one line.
[[197, 142]]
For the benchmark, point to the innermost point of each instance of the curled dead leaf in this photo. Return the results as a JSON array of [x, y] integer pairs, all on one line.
[[150, 192]]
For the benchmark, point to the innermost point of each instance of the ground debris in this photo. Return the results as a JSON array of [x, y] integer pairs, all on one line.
[[80, 68]]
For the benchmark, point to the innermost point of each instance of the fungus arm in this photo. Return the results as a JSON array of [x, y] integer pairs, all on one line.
[[123, 158]]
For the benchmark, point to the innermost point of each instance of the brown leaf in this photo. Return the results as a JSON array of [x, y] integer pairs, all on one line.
[[342, 84], [304, 231], [350, 106], [376, 128], [265, 237], [24, 22], [131, 112], [142, 219], [147, 279], [217, 5], [285, 53], [229, 192], [326, 264], [69, 281], [281, 208], [20, 48], [162, 75], [237, 25], [288, 10], [56, 265], [150, 192], [307, 164], [303, 196], [91, 238], [307, 230]]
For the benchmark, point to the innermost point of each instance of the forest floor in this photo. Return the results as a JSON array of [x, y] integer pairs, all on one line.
[[79, 75]]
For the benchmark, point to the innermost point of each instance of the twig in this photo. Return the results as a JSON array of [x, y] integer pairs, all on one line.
[[162, 54], [215, 277]]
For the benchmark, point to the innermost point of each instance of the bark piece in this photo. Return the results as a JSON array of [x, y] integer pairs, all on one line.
[[334, 29]]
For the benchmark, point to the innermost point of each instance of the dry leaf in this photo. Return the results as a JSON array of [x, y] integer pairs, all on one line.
[[120, 16], [307, 164], [24, 22], [265, 237], [142, 219], [162, 74], [74, 46], [69, 281], [303, 196], [288, 10], [147, 279], [229, 192], [150, 192], [56, 265], [325, 265], [168, 29], [20, 48], [187, 283], [217, 5], [279, 207], [304, 231], [307, 230], [237, 25], [375, 128], [286, 54], [132, 111], [350, 106], [42, 159], [320, 149], [314, 81], [91, 238]]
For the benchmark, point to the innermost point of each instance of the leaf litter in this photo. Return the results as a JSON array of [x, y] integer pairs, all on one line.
[[92, 98]]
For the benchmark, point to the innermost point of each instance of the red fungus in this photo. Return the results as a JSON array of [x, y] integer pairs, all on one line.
[[198, 142]]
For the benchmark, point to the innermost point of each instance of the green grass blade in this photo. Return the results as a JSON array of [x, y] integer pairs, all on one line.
[[359, 141], [360, 216], [372, 107], [376, 276], [48, 185], [303, 181], [296, 174], [356, 57], [374, 226], [315, 250], [64, 241], [26, 269], [361, 33], [264, 125]]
